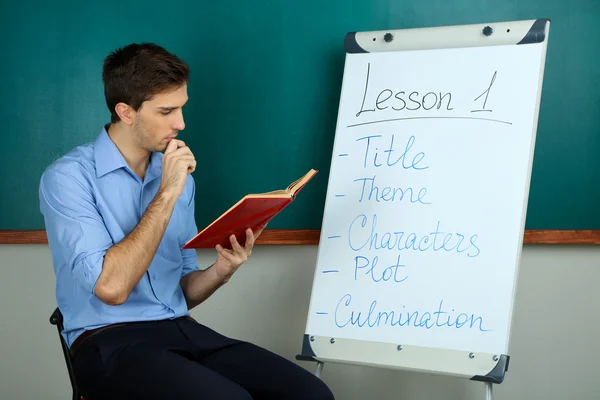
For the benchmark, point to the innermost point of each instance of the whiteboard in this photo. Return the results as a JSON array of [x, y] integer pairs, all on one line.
[[426, 201]]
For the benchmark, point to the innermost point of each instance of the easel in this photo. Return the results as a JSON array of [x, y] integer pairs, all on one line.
[[488, 391], [488, 385], [332, 305], [319, 369]]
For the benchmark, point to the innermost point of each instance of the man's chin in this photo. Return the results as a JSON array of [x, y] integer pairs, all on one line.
[[160, 147]]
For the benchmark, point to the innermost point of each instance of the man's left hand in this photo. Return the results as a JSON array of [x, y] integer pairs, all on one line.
[[229, 260]]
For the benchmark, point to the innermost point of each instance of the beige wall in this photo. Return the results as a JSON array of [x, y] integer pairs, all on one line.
[[555, 341]]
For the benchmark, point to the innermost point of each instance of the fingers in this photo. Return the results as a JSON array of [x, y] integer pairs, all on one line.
[[238, 254], [223, 252], [192, 167], [249, 241], [186, 162], [174, 145], [184, 157], [234, 258], [184, 150], [177, 148], [237, 248], [227, 255]]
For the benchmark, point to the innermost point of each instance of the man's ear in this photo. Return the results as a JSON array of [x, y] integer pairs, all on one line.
[[126, 113]]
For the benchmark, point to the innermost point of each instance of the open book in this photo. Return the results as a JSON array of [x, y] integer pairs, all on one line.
[[252, 211]]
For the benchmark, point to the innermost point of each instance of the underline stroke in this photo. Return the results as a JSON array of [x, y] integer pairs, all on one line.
[[407, 118]]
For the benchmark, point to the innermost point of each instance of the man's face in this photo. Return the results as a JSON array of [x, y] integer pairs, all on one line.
[[160, 119]]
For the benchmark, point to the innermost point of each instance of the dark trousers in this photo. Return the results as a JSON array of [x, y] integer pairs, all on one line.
[[182, 359]]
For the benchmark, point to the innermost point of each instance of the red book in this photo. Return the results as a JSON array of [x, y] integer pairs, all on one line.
[[252, 211]]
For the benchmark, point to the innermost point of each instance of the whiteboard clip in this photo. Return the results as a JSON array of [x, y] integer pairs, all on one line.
[[487, 31], [399, 347], [332, 341], [471, 355], [388, 37]]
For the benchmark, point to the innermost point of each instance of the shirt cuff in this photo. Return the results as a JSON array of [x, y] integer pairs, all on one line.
[[88, 270]]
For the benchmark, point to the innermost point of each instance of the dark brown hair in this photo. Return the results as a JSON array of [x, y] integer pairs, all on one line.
[[135, 73]]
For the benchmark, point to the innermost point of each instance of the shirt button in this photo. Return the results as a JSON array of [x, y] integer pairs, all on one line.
[[154, 276]]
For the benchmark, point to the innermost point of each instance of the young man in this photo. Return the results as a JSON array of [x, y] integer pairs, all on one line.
[[117, 212]]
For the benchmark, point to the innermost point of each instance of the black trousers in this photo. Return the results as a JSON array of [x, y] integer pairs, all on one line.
[[182, 359]]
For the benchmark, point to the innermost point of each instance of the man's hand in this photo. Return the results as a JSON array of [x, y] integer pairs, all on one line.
[[229, 261], [199, 285], [178, 162]]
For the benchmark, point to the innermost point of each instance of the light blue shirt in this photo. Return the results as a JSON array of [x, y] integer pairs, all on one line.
[[91, 200]]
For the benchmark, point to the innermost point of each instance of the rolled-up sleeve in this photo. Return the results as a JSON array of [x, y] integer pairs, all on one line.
[[76, 232], [190, 257]]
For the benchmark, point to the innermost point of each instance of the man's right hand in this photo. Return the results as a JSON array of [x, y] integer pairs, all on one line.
[[178, 162]]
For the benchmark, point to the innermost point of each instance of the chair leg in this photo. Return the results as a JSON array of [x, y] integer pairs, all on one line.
[[57, 319], [76, 395]]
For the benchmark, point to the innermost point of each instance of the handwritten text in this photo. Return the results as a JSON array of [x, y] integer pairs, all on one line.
[[384, 100], [378, 274], [371, 318], [361, 236], [372, 155], [370, 191]]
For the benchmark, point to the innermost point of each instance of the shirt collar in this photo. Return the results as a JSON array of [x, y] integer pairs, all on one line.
[[108, 158], [106, 154], [155, 168]]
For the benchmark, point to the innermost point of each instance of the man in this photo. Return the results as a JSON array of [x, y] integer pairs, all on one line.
[[117, 212]]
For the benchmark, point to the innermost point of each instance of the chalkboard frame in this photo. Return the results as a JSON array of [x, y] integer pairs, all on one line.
[[312, 236]]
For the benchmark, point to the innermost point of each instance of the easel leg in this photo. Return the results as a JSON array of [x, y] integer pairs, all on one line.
[[319, 369], [488, 391]]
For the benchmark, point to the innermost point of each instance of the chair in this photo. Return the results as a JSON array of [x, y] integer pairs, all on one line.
[[57, 319]]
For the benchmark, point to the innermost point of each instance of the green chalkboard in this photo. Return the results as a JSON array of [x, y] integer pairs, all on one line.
[[266, 78]]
